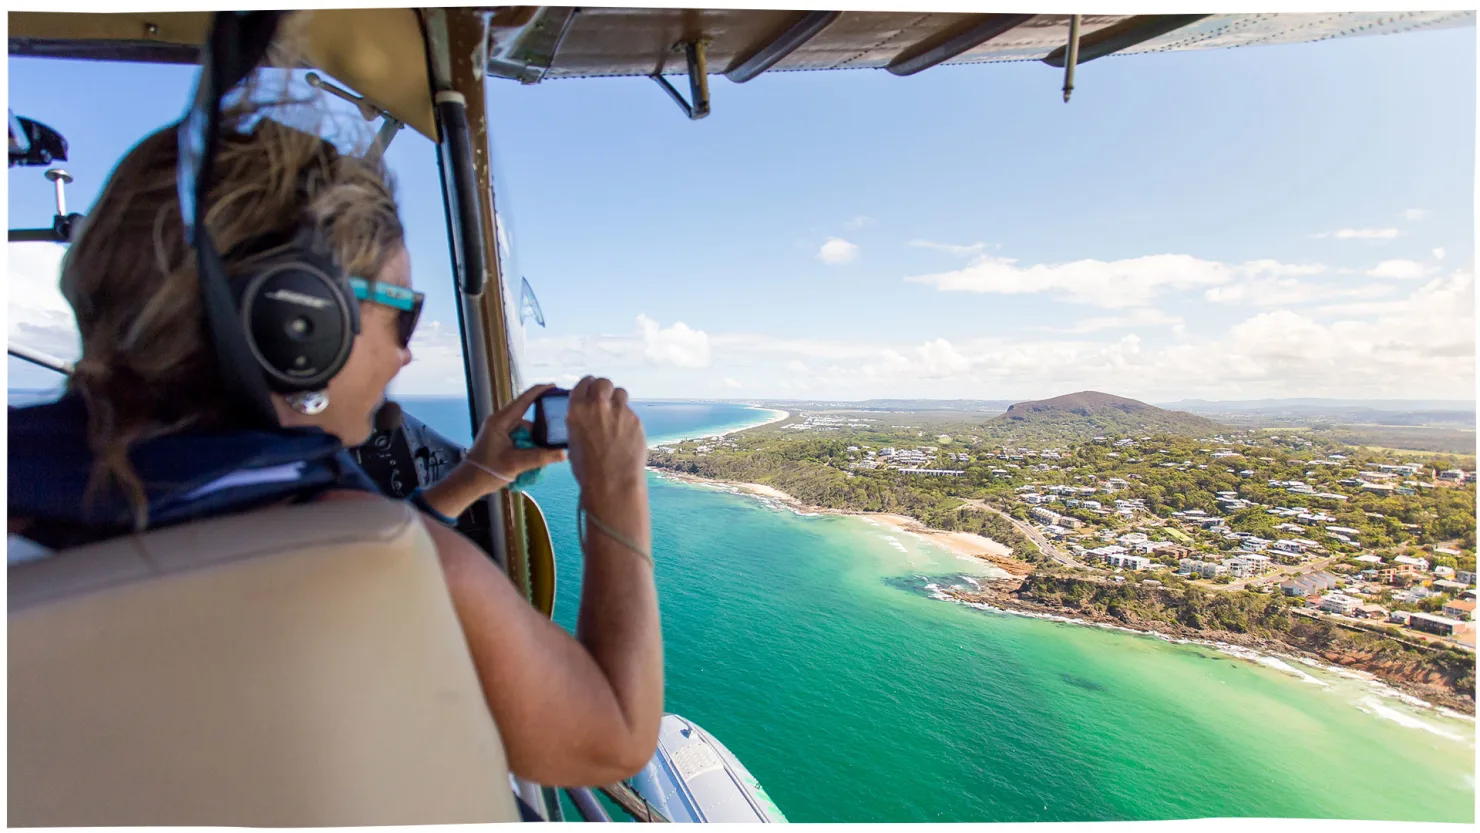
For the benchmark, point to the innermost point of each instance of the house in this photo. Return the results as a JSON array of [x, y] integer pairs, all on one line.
[[1247, 565], [1461, 609], [1452, 475], [1444, 585], [1444, 571], [1197, 567], [1408, 561], [1399, 617], [1309, 584], [1337, 603], [1368, 559], [1438, 625], [1129, 562], [1465, 577], [1372, 612], [1047, 516], [1414, 595]]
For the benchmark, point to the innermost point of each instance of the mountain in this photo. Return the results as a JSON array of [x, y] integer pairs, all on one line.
[[1091, 413]]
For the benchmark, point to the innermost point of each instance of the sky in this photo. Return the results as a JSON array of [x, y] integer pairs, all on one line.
[[1279, 221]]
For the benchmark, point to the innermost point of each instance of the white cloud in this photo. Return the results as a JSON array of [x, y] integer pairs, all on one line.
[[731, 383], [1400, 269], [837, 251], [1361, 234], [678, 345], [1415, 214], [949, 248], [1144, 317], [1416, 346], [39, 317], [859, 222], [1119, 284], [1438, 254], [757, 344], [1287, 291]]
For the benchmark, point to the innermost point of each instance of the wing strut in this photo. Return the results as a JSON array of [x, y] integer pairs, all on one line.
[[1073, 57], [698, 107]]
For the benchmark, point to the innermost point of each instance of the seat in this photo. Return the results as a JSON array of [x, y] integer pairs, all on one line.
[[299, 666]]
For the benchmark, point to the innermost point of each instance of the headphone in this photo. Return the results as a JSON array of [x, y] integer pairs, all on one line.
[[298, 313], [285, 324]]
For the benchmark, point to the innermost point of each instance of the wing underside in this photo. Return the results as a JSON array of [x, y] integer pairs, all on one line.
[[533, 44]]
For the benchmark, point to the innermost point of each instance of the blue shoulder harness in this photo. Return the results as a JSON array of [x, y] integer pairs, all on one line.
[[186, 476]]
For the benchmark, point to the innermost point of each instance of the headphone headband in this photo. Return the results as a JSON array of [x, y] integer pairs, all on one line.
[[292, 323]]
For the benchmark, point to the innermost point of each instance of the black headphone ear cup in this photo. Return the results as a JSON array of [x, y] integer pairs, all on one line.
[[299, 324]]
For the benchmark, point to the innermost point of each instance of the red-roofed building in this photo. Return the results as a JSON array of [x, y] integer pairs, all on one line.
[[1461, 609]]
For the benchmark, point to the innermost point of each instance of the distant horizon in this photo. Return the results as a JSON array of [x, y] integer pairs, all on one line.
[[1414, 404]]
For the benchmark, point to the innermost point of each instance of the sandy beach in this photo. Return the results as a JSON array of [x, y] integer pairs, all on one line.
[[960, 543]]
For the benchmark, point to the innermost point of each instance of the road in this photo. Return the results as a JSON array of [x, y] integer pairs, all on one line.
[[1047, 547], [1373, 627], [1277, 574]]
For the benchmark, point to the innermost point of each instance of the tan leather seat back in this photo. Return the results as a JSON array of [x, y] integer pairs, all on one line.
[[299, 666]]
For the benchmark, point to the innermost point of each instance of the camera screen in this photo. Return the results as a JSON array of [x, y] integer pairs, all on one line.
[[555, 407]]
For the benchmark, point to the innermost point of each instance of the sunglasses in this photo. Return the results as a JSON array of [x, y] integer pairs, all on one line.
[[406, 303]]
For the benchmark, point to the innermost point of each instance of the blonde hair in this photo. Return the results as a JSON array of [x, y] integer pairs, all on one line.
[[148, 367]]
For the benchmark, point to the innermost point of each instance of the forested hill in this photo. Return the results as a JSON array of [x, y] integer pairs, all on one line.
[[1087, 414]]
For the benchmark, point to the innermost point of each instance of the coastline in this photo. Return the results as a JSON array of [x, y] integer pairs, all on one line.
[[980, 547], [776, 416], [1260, 650], [1267, 652], [998, 596]]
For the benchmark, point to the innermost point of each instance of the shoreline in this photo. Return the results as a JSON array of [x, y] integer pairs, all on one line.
[[999, 599], [980, 547], [776, 416], [1242, 646]]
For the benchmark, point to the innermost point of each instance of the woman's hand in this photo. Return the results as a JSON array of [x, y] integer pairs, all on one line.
[[493, 462], [494, 448], [608, 451]]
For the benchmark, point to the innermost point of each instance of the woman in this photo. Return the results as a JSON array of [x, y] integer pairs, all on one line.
[[145, 437]]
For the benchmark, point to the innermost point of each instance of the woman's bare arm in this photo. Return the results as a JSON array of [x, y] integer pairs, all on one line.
[[584, 710]]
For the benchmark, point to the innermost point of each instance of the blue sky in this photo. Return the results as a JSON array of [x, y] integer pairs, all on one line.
[[1271, 221]]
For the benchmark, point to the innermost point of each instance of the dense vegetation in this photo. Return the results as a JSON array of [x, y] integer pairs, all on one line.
[[1170, 473], [1089, 413]]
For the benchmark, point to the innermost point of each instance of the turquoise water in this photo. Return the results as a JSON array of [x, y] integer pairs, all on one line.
[[810, 647]]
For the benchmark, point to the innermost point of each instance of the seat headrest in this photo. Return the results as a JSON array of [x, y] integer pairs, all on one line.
[[299, 666]]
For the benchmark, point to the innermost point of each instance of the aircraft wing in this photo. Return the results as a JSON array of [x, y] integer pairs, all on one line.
[[381, 52], [535, 43]]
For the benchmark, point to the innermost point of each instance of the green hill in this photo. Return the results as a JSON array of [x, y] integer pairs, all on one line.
[[1086, 414]]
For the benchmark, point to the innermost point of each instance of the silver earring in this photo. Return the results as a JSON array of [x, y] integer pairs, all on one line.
[[309, 403]]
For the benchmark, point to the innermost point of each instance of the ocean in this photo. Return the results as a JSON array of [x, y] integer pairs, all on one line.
[[812, 647]]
